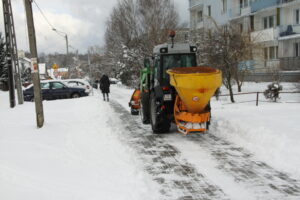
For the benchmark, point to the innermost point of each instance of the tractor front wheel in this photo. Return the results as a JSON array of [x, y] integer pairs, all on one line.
[[144, 110]]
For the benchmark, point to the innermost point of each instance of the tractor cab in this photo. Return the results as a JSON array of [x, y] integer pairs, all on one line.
[[168, 56]]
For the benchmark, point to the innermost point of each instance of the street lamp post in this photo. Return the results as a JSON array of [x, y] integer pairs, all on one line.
[[65, 35]]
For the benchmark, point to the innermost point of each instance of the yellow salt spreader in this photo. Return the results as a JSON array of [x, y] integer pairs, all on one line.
[[195, 86]]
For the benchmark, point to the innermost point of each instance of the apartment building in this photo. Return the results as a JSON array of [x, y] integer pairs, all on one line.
[[202, 12], [274, 24]]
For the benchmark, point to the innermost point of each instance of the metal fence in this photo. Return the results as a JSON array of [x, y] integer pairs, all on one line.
[[259, 96], [270, 77]]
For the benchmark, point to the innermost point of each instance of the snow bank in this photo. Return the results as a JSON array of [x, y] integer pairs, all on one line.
[[270, 131], [74, 156]]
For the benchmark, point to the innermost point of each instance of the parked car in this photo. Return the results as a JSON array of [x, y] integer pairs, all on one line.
[[80, 83], [114, 81], [52, 90]]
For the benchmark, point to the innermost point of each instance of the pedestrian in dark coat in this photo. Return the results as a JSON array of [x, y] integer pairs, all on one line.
[[104, 86]]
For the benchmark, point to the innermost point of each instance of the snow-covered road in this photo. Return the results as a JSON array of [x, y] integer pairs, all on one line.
[[203, 166], [91, 149]]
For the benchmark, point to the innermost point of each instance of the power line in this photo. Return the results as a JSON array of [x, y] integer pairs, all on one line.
[[41, 11], [60, 33]]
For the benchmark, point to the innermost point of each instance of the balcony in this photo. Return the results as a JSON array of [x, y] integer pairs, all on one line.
[[239, 12], [265, 35], [263, 4], [194, 3], [278, 33], [290, 64], [287, 32]]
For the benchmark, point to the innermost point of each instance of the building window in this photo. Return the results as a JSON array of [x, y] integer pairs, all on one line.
[[266, 56], [269, 22], [297, 52], [297, 15], [271, 53], [244, 3], [209, 10], [265, 23], [200, 16], [224, 6], [252, 22]]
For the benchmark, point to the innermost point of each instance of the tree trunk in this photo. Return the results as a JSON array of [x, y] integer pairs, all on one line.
[[239, 87], [230, 88]]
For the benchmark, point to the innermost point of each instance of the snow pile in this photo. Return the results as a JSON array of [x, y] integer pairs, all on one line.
[[270, 131], [74, 156]]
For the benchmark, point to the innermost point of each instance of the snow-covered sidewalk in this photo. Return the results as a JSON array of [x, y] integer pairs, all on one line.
[[74, 156]]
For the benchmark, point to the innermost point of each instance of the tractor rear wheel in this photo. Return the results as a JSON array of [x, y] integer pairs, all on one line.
[[159, 122]]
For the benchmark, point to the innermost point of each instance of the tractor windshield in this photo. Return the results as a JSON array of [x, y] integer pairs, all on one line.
[[177, 60]]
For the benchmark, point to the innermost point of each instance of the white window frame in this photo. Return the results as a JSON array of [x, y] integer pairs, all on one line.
[[268, 18], [245, 4], [267, 53]]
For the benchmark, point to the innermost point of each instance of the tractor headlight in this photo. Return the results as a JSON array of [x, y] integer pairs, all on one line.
[[193, 49], [164, 50]]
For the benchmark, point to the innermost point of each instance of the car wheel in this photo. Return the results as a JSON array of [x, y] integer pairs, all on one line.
[[75, 95], [134, 112]]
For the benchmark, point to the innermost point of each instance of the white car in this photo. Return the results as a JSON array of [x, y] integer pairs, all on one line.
[[79, 83], [114, 81]]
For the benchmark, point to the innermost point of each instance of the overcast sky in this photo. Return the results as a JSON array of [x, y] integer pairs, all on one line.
[[83, 21]]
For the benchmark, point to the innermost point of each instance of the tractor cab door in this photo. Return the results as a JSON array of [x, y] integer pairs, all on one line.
[[155, 75]]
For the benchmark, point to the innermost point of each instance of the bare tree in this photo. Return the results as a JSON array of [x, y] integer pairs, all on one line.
[[133, 29], [228, 49], [3, 65]]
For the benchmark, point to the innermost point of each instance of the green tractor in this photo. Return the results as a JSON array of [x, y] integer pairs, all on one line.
[[157, 96]]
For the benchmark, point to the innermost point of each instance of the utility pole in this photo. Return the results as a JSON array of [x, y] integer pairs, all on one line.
[[11, 85], [34, 65], [12, 56], [90, 72], [67, 47]]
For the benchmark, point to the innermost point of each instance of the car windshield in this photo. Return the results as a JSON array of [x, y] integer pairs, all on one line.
[[177, 60]]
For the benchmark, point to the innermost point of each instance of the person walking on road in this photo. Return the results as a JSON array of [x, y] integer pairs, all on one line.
[[104, 86]]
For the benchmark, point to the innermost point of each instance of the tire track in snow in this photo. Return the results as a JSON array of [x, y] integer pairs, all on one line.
[[267, 182], [260, 179], [178, 178]]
